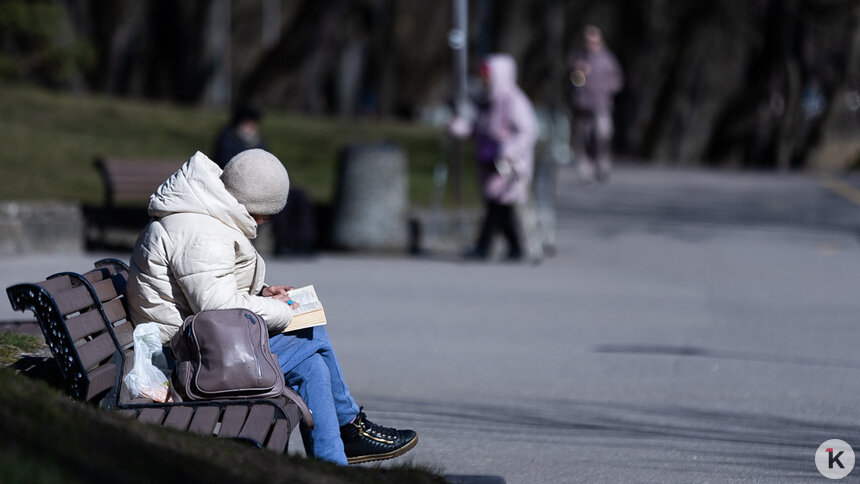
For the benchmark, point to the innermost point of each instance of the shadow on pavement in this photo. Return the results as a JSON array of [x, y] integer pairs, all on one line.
[[727, 355], [720, 443]]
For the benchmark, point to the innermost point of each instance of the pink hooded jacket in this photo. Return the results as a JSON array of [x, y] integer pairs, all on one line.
[[510, 120]]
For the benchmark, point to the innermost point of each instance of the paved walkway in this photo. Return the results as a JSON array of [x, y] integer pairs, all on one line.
[[694, 326]]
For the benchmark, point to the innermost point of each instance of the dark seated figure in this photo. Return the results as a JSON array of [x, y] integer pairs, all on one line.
[[294, 227]]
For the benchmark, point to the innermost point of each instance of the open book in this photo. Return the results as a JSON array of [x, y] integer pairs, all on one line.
[[310, 311]]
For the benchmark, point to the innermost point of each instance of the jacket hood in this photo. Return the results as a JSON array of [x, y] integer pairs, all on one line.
[[502, 73], [197, 188]]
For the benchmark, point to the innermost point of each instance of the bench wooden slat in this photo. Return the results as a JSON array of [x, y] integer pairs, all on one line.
[[136, 192], [78, 298], [179, 417], [88, 322], [139, 179], [96, 275], [124, 334], [85, 324], [133, 182], [134, 196], [129, 361], [73, 300], [280, 436], [232, 421], [110, 265], [151, 415], [101, 380], [204, 420], [257, 424], [114, 310], [56, 285], [106, 290], [96, 350], [141, 167]]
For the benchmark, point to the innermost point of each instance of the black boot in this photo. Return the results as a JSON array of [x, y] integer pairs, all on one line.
[[364, 441]]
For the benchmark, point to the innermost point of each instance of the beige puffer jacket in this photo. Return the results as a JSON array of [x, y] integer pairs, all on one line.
[[196, 254]]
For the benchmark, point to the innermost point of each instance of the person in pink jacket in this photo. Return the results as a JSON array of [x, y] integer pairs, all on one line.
[[505, 133]]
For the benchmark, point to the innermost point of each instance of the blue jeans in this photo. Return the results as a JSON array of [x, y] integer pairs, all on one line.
[[310, 367]]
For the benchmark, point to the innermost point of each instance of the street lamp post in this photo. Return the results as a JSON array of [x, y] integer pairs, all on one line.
[[458, 39]]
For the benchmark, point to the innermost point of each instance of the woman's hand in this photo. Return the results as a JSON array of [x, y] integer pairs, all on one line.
[[275, 291], [460, 128], [281, 293]]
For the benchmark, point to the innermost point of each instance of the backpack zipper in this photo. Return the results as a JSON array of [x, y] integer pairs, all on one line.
[[251, 340]]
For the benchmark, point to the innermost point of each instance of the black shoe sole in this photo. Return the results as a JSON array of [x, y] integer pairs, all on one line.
[[359, 459]]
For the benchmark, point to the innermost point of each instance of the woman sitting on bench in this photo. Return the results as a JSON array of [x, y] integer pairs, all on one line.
[[196, 254]]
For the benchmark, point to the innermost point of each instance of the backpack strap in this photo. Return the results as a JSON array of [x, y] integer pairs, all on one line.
[[307, 415]]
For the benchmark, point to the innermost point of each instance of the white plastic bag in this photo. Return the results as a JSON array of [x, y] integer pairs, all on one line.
[[145, 380]]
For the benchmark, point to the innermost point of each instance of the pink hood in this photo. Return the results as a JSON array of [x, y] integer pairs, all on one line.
[[503, 74]]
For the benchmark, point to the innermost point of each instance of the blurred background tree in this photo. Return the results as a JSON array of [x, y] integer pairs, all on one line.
[[763, 84], [39, 44]]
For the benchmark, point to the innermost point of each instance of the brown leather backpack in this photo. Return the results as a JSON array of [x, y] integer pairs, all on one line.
[[225, 353]]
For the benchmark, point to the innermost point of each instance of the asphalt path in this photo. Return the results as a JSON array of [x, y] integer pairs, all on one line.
[[692, 327]]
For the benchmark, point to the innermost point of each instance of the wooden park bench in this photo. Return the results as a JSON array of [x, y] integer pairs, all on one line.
[[132, 181], [84, 319], [128, 183]]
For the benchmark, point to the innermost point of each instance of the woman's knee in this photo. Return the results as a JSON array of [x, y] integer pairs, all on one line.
[[314, 370]]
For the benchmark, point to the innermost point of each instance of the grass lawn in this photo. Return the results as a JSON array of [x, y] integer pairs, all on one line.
[[13, 344], [49, 140], [50, 438]]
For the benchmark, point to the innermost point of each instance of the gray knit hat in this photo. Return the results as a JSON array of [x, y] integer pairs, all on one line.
[[258, 180]]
